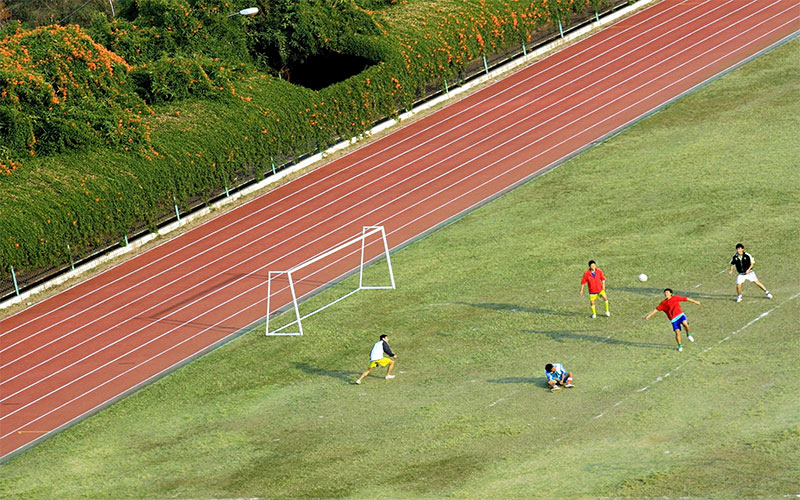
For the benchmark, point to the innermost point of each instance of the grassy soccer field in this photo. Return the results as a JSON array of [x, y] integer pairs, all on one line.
[[481, 306]]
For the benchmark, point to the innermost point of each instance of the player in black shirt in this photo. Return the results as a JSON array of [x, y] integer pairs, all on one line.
[[743, 263]]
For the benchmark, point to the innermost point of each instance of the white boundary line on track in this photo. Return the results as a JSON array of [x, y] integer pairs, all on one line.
[[8, 379], [253, 288], [606, 20], [265, 236]]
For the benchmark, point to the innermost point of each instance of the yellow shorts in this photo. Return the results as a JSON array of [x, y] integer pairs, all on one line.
[[381, 362], [593, 296]]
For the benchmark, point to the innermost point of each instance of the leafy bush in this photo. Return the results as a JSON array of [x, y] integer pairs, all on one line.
[[148, 30], [172, 78], [62, 91]]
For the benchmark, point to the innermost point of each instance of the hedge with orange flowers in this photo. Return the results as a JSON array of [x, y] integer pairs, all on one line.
[[60, 90], [174, 122]]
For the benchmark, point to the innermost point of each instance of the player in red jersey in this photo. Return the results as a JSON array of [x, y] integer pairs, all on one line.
[[597, 286], [672, 308]]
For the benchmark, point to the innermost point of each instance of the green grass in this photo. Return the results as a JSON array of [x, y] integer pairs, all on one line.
[[481, 306]]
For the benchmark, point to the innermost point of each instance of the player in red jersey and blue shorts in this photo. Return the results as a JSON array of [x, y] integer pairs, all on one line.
[[672, 308]]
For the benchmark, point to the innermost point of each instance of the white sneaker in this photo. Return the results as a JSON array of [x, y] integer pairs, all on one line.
[[680, 348], [608, 314], [389, 376], [555, 388], [358, 381], [769, 295], [594, 316], [569, 385], [739, 298], [691, 339]]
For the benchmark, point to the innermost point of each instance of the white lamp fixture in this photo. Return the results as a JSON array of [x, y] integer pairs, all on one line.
[[251, 11]]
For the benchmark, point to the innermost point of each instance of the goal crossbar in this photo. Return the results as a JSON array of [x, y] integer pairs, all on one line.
[[365, 233]]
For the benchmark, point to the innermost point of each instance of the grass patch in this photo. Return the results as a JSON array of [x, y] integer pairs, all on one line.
[[482, 305]]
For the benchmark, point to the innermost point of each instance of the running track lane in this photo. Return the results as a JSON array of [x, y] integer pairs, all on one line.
[[83, 348]]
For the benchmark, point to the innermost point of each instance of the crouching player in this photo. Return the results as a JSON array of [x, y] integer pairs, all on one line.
[[557, 376]]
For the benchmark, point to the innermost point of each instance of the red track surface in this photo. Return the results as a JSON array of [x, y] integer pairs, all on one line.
[[83, 348]]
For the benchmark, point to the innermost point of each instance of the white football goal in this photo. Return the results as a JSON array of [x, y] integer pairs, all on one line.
[[315, 273]]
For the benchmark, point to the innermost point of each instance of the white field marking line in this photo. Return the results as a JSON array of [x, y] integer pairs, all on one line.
[[514, 168], [774, 29], [341, 171], [747, 325], [667, 375], [501, 399], [332, 202], [700, 284]]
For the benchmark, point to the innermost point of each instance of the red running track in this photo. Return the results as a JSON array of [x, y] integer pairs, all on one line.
[[84, 348]]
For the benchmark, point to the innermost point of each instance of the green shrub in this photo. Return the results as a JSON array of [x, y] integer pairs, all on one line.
[[70, 91], [172, 78], [16, 130]]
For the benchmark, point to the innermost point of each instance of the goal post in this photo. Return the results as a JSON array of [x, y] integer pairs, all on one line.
[[291, 275]]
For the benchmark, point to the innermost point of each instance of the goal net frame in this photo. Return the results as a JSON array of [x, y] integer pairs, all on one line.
[[366, 231]]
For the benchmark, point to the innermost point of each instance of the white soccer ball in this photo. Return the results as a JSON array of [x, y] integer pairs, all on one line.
[[642, 277]]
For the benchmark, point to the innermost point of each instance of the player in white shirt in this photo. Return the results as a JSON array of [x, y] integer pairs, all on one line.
[[380, 356]]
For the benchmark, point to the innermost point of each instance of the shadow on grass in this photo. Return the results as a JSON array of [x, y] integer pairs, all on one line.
[[343, 375], [660, 293], [538, 381], [518, 308], [566, 335]]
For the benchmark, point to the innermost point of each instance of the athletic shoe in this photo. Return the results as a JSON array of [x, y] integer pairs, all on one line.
[[389, 376], [680, 348], [569, 385], [358, 381], [739, 298], [555, 388], [769, 295], [594, 316], [608, 314], [691, 339]]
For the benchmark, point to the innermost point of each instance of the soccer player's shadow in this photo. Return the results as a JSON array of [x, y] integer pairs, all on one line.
[[518, 308], [540, 381], [343, 375], [649, 291], [566, 335]]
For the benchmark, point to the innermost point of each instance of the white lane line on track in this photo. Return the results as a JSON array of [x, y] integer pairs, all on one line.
[[260, 301], [527, 118], [352, 165], [428, 212]]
